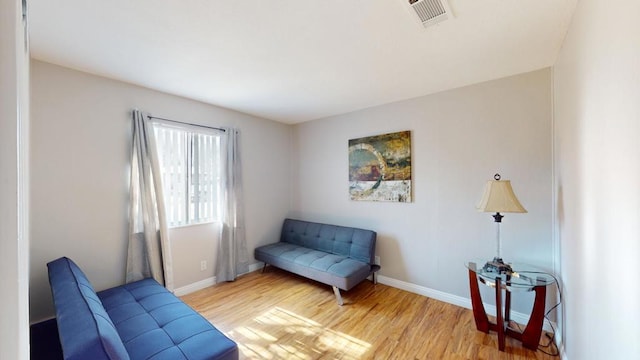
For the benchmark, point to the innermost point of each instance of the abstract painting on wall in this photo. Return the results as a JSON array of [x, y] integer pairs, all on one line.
[[380, 167]]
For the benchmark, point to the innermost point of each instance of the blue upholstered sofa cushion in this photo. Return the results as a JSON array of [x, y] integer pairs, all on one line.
[[357, 244], [86, 331], [140, 320], [155, 324]]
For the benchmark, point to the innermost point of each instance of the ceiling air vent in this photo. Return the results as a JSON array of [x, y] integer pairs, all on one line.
[[430, 12]]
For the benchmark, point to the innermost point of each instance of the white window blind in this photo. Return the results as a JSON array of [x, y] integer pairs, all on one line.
[[189, 162]]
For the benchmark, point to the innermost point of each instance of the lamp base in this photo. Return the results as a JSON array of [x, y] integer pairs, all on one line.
[[498, 266]]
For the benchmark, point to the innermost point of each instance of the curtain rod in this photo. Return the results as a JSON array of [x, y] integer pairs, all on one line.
[[186, 123]]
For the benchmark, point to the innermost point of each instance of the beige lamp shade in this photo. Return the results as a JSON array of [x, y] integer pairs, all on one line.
[[499, 197]]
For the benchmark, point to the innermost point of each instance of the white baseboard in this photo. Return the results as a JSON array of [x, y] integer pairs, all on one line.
[[403, 285], [255, 267], [452, 299], [425, 291], [33, 322], [560, 345], [188, 289]]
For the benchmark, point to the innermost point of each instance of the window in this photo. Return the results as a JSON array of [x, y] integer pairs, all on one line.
[[189, 165]]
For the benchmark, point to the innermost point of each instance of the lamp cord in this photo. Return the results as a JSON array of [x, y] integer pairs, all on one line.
[[546, 316]]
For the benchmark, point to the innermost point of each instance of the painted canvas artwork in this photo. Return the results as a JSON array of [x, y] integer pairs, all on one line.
[[380, 167]]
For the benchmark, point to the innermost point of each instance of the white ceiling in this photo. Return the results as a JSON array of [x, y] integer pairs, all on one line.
[[294, 61]]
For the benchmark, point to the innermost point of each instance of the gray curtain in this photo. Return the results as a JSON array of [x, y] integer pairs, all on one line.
[[149, 252], [233, 257]]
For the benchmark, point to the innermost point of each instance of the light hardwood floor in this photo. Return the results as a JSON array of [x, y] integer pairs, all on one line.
[[278, 315]]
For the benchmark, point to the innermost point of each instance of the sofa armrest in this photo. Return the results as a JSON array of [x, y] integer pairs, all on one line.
[[85, 329]]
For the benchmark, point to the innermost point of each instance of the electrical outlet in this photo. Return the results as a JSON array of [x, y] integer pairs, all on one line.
[[376, 260], [203, 265]]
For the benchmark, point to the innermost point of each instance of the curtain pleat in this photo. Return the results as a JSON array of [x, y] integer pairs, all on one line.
[[232, 256], [149, 251]]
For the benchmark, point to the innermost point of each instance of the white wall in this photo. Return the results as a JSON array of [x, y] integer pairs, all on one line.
[[191, 245], [14, 179], [81, 136], [597, 142], [460, 138]]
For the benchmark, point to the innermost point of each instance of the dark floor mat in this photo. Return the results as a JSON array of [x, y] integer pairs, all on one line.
[[45, 344]]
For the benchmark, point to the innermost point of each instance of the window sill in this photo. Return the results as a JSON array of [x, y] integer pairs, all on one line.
[[195, 224]]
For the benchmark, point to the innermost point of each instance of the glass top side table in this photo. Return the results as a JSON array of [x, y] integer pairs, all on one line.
[[522, 278]]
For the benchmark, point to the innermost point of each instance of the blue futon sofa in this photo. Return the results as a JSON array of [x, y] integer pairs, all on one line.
[[339, 256], [139, 320]]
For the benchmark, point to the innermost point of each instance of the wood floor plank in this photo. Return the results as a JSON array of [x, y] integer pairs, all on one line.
[[278, 315]]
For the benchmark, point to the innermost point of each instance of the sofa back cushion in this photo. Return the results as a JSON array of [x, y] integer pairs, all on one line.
[[86, 331], [358, 244]]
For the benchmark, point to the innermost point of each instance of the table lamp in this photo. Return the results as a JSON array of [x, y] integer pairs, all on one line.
[[499, 197]]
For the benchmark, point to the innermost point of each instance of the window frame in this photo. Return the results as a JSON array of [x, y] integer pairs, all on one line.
[[189, 212]]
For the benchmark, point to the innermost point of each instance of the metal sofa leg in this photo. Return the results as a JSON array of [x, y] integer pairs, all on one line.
[[374, 271], [338, 296], [264, 267]]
